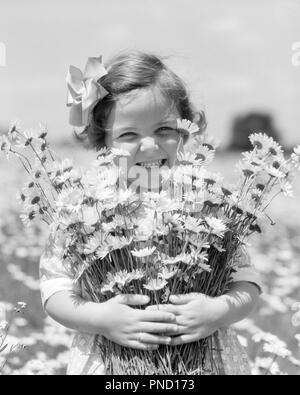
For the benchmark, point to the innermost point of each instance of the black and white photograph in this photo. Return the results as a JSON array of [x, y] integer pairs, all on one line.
[[150, 190]]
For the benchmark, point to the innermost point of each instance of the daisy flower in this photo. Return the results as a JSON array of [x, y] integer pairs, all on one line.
[[297, 150], [117, 242], [119, 152], [70, 199], [168, 260], [66, 219], [122, 278], [252, 158], [31, 134], [227, 189], [295, 157], [213, 178], [264, 337], [185, 258], [206, 140], [277, 348], [102, 252], [28, 215], [275, 173], [187, 127], [248, 170], [103, 160], [286, 188], [26, 138], [203, 266], [90, 215], [193, 196], [256, 195], [188, 158], [143, 252], [155, 284], [105, 194], [103, 151], [166, 273], [126, 197], [22, 197], [14, 126], [295, 161], [205, 154], [108, 227], [192, 224], [5, 145], [261, 141], [58, 168], [276, 149], [109, 284], [43, 131], [75, 175], [137, 274], [216, 225]]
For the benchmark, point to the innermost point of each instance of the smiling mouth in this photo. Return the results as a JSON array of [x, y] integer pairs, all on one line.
[[152, 163]]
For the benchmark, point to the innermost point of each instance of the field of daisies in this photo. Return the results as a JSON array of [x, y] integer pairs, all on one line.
[[31, 343]]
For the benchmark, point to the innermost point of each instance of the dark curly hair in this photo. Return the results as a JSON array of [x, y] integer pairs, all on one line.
[[133, 70]]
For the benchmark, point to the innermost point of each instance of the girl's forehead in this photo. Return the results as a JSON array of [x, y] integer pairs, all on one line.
[[143, 105]]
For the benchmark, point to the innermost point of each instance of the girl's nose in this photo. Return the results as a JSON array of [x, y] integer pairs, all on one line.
[[148, 143]]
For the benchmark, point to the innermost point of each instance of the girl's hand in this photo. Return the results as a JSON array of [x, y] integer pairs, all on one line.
[[135, 328], [197, 316]]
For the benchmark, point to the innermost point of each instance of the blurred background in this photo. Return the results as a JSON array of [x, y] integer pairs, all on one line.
[[235, 55], [236, 58]]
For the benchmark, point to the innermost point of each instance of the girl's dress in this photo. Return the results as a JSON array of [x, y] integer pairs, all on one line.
[[85, 359]]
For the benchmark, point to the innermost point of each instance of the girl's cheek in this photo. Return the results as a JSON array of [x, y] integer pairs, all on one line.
[[172, 145]]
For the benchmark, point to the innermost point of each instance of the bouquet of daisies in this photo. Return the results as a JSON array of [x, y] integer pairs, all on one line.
[[184, 238]]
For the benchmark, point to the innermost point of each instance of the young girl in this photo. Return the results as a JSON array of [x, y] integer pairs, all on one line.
[[133, 104]]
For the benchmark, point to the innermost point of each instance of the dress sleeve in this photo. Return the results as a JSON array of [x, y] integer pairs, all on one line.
[[245, 270], [54, 276]]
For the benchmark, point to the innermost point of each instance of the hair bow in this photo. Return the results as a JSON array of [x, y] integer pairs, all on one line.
[[84, 90]]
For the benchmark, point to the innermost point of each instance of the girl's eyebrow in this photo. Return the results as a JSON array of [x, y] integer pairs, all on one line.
[[126, 129]]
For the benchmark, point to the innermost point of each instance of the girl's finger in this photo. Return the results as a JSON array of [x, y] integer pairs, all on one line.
[[157, 316], [149, 338], [164, 307], [183, 339], [132, 300], [157, 327], [142, 346], [183, 299]]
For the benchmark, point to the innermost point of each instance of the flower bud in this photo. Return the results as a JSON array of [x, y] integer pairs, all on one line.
[[35, 200]]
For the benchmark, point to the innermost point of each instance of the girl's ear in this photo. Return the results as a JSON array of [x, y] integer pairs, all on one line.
[[200, 120]]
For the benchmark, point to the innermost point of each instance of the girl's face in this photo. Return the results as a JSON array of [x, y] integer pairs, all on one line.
[[144, 124]]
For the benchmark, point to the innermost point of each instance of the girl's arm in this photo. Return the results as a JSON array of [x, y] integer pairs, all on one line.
[[238, 302], [199, 316], [114, 319]]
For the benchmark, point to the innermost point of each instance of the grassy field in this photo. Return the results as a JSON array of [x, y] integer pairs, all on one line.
[[276, 255]]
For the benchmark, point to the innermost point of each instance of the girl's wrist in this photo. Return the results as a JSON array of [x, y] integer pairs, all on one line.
[[222, 312]]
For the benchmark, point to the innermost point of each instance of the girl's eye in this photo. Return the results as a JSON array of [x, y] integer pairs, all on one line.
[[128, 134], [165, 130]]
